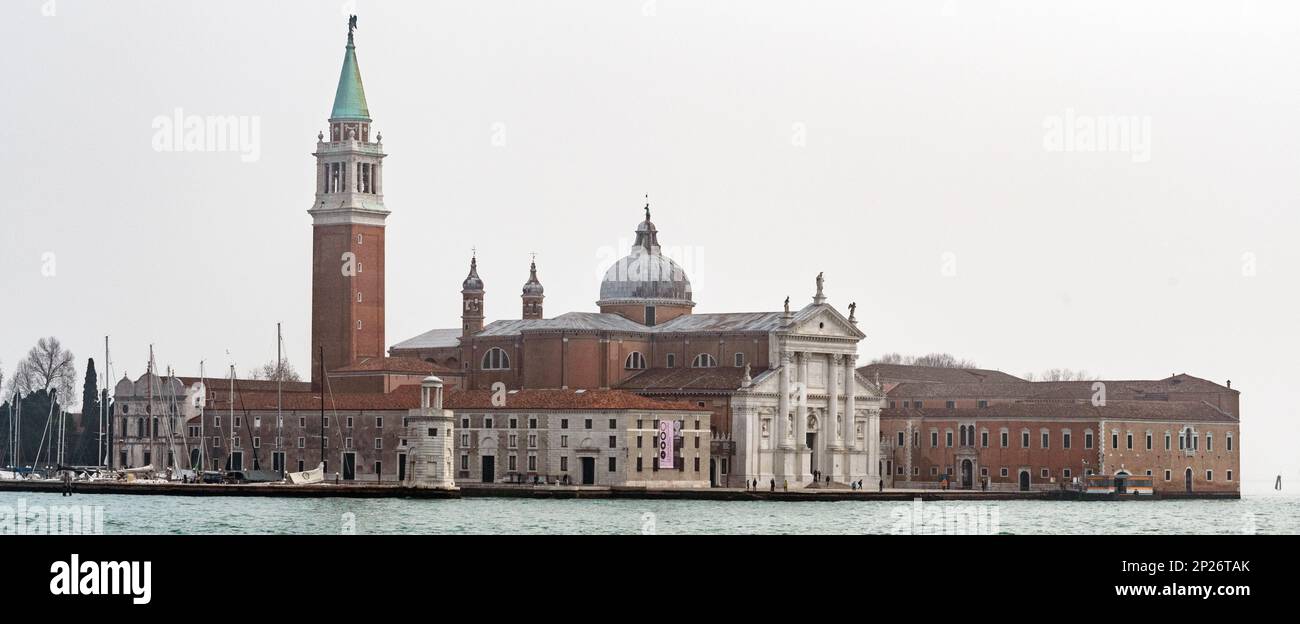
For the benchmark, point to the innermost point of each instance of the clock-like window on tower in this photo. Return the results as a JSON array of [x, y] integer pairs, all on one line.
[[496, 359], [358, 239], [635, 361]]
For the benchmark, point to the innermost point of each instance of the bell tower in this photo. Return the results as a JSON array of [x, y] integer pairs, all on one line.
[[348, 215], [471, 295], [533, 294]]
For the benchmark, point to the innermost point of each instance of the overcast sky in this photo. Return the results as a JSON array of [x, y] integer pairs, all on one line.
[[932, 157]]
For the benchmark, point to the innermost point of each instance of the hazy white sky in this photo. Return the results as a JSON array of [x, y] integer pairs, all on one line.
[[907, 149]]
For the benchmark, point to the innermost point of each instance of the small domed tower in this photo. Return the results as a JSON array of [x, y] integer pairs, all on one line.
[[533, 294], [430, 431], [471, 294]]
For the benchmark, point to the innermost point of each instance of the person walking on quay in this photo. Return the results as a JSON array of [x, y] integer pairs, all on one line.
[[785, 485], [773, 485], [67, 483]]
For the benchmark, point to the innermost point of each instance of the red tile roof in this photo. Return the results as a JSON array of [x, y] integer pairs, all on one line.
[[408, 397], [1051, 410], [900, 373], [407, 365], [724, 378]]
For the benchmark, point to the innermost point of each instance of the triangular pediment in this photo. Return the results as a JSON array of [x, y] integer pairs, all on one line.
[[824, 320]]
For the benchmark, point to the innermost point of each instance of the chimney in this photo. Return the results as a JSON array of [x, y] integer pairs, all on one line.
[[1229, 384]]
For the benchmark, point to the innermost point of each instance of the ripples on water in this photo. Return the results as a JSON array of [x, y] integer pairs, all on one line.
[[502, 516]]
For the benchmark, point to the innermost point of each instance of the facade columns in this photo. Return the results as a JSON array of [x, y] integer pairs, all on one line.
[[782, 424], [801, 410], [833, 428], [850, 389]]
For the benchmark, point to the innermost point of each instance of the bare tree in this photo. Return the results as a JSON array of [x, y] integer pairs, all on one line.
[[48, 366], [938, 360], [269, 371], [1061, 374]]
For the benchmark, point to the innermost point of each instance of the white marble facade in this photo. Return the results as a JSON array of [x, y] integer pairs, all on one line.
[[812, 412]]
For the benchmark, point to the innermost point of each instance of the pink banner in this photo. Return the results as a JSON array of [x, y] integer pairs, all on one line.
[[664, 444]]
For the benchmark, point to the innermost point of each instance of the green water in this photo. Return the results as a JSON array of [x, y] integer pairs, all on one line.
[[226, 515]]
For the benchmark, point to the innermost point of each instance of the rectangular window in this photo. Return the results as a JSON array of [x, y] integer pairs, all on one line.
[[379, 422], [1229, 443], [1168, 475], [433, 433], [514, 423], [1229, 475], [464, 462], [934, 439], [379, 444], [564, 463], [532, 423], [948, 438], [638, 463], [1114, 440], [1024, 439], [613, 441], [512, 463], [464, 440], [984, 439], [1005, 442], [1065, 440], [1003, 472], [1149, 440], [587, 423], [950, 404], [532, 440], [349, 422], [697, 464], [302, 442], [464, 423], [613, 464], [983, 404], [1087, 439], [1129, 440], [1209, 442], [564, 441], [513, 441], [487, 423], [613, 423], [916, 404], [672, 360], [900, 438], [1209, 475], [532, 463], [1065, 473], [1166, 441], [1046, 442], [564, 423]]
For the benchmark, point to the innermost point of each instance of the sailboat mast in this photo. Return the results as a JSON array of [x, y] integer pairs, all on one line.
[[279, 393], [101, 442], [322, 405], [231, 453], [203, 439]]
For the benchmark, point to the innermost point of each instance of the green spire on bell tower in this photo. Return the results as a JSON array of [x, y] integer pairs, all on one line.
[[350, 97]]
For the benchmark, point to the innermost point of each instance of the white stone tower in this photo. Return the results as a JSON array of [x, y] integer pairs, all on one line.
[[430, 435]]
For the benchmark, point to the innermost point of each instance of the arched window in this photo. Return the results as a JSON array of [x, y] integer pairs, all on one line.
[[635, 361], [704, 360], [496, 359]]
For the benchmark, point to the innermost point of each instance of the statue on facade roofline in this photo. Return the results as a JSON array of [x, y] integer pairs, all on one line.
[[787, 304], [853, 310], [820, 282]]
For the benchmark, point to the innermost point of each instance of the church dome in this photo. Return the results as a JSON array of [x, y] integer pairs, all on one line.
[[645, 276]]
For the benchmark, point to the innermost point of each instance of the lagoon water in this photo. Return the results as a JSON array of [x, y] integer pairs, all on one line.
[[128, 514]]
